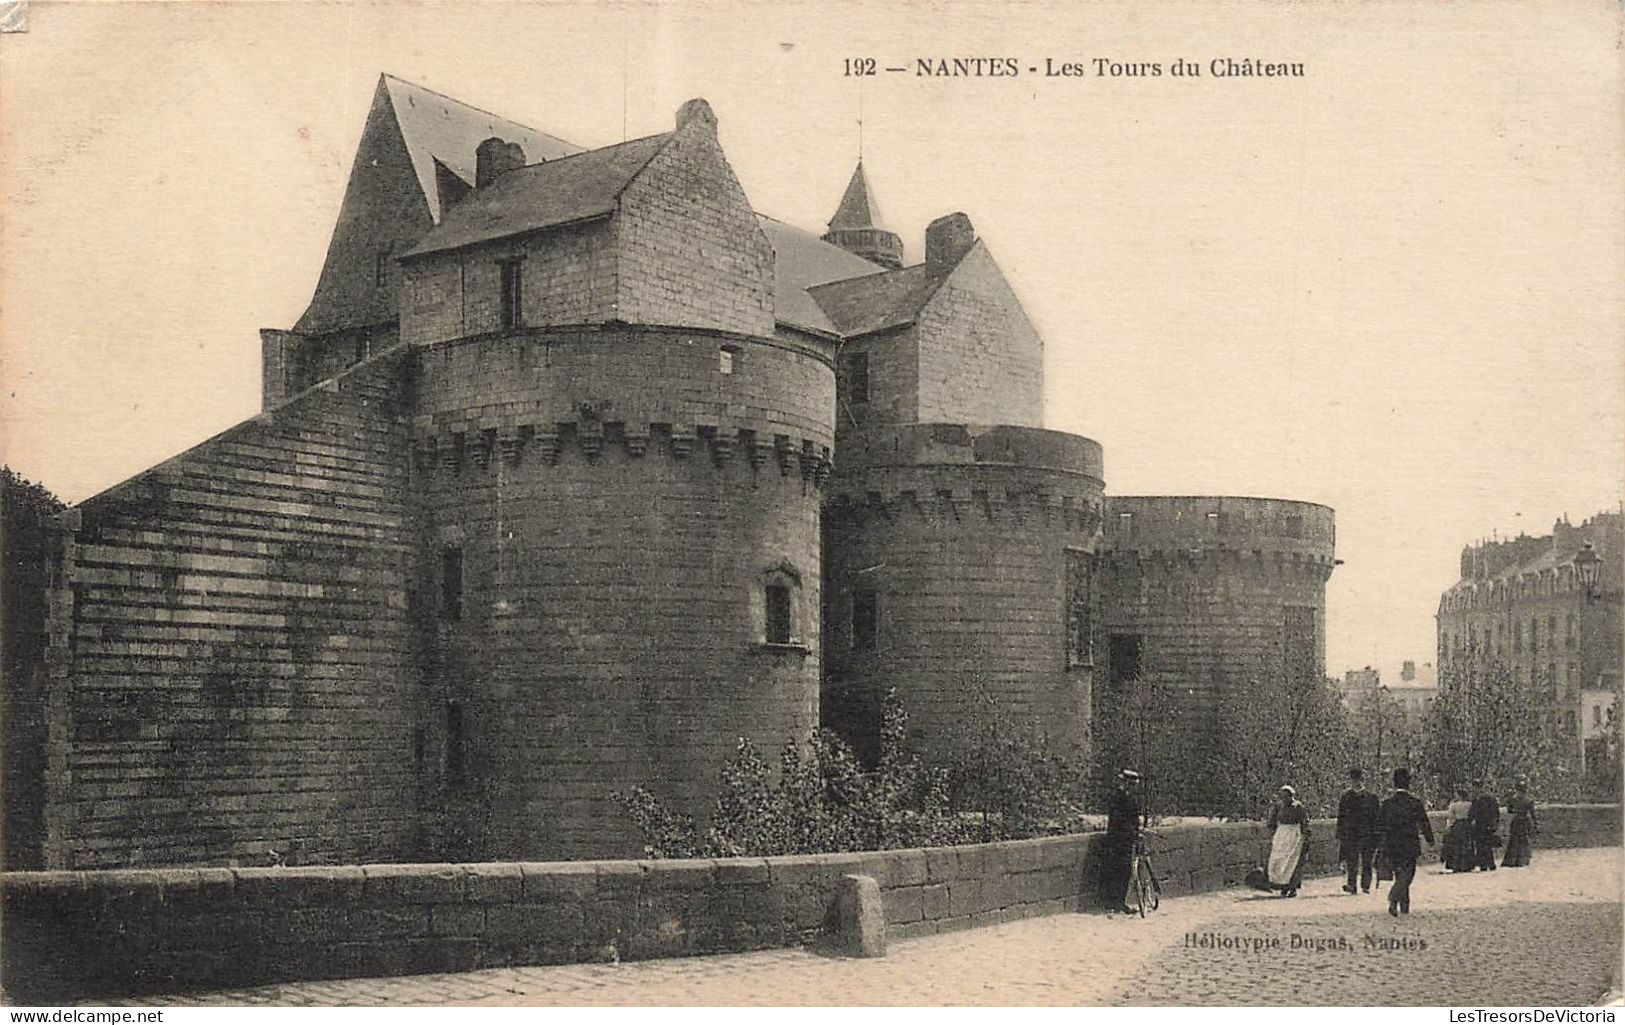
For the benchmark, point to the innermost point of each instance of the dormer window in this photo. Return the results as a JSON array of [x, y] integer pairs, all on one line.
[[513, 295]]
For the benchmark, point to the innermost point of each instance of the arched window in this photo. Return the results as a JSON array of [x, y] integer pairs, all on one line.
[[779, 618]]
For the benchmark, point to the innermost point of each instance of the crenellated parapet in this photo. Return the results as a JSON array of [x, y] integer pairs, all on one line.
[[968, 473], [1197, 563], [1224, 532], [442, 452], [950, 505]]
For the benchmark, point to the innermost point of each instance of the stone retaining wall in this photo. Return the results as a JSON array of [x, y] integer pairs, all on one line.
[[71, 934]]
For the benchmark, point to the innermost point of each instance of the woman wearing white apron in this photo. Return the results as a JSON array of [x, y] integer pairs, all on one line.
[[1289, 826]]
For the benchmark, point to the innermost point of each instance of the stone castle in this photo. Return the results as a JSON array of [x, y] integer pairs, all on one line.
[[576, 470]]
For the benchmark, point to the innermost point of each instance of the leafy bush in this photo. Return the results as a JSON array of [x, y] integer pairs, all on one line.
[[823, 799]]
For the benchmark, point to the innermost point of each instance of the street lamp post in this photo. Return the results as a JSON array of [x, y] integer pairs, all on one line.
[[1587, 568]]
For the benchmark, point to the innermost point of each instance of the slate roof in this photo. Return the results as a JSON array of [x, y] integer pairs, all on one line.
[[437, 127], [857, 209], [880, 301], [576, 187], [801, 261]]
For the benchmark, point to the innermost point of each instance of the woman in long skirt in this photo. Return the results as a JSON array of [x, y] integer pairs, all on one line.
[[1458, 841], [1289, 828], [1522, 828]]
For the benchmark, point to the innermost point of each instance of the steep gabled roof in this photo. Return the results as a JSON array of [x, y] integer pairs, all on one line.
[[801, 260], [573, 188], [880, 301], [436, 127]]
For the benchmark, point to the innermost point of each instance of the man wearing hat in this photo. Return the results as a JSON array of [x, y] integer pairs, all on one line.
[[1357, 831], [1117, 846], [1402, 816], [1484, 824]]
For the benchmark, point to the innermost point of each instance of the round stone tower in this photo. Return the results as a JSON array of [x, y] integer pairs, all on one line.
[[618, 469], [618, 582], [959, 561], [1205, 596]]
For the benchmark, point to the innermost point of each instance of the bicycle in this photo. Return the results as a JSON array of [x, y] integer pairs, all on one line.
[[1147, 888]]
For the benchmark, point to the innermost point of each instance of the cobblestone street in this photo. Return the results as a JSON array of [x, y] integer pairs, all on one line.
[[1549, 934]]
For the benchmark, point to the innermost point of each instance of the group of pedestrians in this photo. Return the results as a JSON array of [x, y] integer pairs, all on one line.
[[1383, 838], [1378, 838], [1474, 832], [1375, 837]]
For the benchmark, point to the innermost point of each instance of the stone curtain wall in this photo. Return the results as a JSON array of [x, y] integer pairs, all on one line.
[[73, 934], [228, 659]]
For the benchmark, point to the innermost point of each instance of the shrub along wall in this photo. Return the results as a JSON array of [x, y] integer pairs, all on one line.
[[69, 934]]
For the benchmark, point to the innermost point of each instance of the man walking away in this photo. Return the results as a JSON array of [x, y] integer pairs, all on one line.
[[1117, 846], [1357, 813], [1484, 819], [1399, 820]]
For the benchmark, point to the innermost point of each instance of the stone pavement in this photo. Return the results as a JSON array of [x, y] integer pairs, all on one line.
[[1548, 934]]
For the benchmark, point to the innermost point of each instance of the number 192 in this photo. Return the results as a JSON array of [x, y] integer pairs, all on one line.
[[859, 66]]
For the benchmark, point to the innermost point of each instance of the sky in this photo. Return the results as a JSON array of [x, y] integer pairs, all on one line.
[[1395, 285]]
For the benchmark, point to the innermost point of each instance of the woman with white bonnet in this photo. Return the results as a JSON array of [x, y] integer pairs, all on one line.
[[1289, 826]]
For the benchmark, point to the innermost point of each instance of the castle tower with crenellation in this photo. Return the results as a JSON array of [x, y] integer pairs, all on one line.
[[959, 535], [575, 471]]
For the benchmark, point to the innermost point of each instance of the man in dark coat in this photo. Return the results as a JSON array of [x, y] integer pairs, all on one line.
[[1398, 822], [1117, 846], [1357, 831], [1484, 826]]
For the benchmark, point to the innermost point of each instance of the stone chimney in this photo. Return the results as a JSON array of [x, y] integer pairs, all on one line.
[[697, 110], [493, 158], [947, 239]]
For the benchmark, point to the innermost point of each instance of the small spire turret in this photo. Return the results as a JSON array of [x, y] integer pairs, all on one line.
[[856, 225]]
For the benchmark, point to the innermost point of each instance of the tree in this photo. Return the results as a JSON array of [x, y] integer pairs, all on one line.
[[27, 510], [1140, 725], [28, 547], [1489, 724], [1279, 731]]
